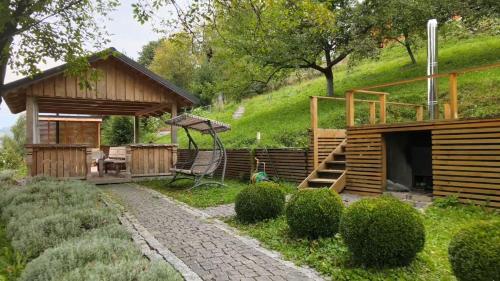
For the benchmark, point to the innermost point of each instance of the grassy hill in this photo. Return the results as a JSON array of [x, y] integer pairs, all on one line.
[[283, 118]]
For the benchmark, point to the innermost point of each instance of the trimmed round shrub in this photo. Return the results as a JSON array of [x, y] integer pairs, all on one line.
[[259, 202], [382, 231], [314, 213], [474, 252]]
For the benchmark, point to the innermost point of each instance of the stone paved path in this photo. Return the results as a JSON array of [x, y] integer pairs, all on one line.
[[208, 250]]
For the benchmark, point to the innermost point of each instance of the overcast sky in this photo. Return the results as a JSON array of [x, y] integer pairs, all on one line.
[[127, 36]]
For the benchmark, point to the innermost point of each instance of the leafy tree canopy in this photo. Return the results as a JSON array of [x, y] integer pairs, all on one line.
[[32, 31], [147, 53]]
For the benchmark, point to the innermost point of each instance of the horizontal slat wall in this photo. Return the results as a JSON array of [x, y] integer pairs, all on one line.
[[288, 164], [365, 165], [60, 161], [150, 159], [466, 162], [291, 164], [238, 163]]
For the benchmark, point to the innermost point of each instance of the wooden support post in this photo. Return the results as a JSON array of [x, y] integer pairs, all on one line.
[[447, 111], [349, 99], [314, 129], [128, 162], [420, 113], [137, 122], [383, 99], [98, 134], [373, 112], [32, 128], [29, 161], [88, 154], [453, 95], [173, 129]]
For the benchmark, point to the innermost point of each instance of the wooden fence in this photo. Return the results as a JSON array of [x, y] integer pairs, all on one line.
[[58, 160], [150, 159], [288, 164]]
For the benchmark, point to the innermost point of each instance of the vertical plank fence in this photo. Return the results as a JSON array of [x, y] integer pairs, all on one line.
[[58, 160]]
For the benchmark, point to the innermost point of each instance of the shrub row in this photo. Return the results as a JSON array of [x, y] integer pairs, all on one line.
[[378, 231], [66, 233]]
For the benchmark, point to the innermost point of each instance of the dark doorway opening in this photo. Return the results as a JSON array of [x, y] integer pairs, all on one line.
[[409, 161]]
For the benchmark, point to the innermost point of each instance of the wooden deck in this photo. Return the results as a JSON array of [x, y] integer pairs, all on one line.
[[465, 158]]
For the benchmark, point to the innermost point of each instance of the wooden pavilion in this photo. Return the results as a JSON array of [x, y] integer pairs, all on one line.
[[123, 88]]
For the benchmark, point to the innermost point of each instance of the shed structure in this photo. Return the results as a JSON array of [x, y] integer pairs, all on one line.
[[123, 88]]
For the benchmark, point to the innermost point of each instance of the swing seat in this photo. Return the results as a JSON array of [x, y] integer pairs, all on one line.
[[201, 163], [205, 163]]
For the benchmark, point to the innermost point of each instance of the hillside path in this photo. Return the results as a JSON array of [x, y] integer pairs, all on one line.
[[203, 244]]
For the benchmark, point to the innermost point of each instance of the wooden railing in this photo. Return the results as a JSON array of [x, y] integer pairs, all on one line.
[[321, 133], [450, 108], [69, 161]]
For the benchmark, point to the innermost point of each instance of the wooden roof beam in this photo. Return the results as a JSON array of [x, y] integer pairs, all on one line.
[[153, 110]]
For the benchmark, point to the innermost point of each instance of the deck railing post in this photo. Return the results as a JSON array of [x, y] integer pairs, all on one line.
[[373, 112], [349, 99], [383, 99], [314, 129], [420, 113], [453, 95]]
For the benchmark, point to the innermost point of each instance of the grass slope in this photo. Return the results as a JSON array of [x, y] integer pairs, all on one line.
[[283, 118]]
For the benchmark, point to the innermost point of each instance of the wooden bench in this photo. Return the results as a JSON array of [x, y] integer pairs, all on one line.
[[116, 159]]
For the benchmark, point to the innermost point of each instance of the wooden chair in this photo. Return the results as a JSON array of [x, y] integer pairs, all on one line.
[[115, 159]]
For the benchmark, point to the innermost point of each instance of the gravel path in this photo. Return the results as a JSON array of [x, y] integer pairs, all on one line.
[[205, 245]]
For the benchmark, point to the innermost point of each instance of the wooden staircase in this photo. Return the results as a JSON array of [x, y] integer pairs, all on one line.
[[330, 173]]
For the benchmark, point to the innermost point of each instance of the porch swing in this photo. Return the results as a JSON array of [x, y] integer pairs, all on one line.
[[200, 163]]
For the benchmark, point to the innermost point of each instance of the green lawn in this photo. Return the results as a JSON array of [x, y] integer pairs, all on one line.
[[330, 256], [202, 197], [267, 113]]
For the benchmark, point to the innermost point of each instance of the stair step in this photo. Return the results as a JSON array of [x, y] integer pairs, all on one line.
[[321, 180], [331, 171], [336, 162]]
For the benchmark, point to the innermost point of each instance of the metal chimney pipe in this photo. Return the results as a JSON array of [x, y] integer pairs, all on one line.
[[432, 68]]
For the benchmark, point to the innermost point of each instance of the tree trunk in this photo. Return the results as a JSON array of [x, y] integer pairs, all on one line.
[[410, 52], [329, 81]]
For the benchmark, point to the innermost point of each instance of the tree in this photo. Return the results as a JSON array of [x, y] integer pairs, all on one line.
[[175, 59], [402, 21], [282, 34], [12, 147], [118, 130], [147, 53], [32, 31]]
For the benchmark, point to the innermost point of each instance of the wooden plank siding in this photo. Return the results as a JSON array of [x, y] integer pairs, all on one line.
[[466, 163], [70, 132], [115, 83], [365, 163], [151, 159], [60, 161], [465, 158]]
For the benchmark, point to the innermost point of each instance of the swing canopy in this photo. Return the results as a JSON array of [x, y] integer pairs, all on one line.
[[201, 163], [198, 123]]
